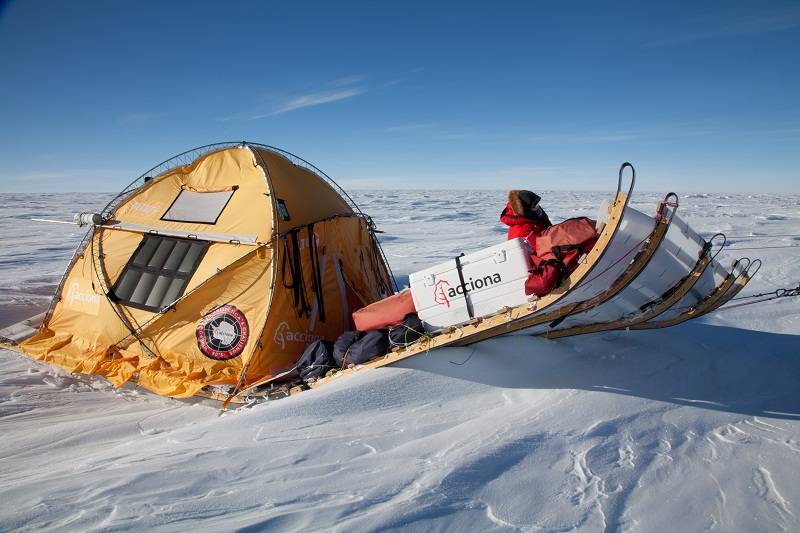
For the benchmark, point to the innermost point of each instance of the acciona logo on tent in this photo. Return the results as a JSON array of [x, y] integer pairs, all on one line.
[[223, 333], [442, 294], [283, 335]]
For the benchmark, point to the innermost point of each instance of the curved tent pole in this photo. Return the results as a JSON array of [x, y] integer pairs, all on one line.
[[191, 155], [185, 158], [77, 254], [182, 158], [316, 170], [80, 250], [308, 166], [259, 161]]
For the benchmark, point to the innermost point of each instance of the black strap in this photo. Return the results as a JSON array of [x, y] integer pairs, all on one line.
[[316, 277], [460, 270], [559, 250], [292, 256]]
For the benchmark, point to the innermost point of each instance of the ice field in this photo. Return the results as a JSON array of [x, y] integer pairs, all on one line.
[[691, 428]]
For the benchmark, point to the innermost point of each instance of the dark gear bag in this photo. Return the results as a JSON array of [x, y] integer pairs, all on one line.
[[316, 360], [408, 332], [373, 344], [343, 344]]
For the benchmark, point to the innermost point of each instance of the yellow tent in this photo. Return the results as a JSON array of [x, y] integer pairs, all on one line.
[[217, 267]]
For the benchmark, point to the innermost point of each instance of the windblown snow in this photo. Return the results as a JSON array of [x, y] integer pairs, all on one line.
[[686, 429]]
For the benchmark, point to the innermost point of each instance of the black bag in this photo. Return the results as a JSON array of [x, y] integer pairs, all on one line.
[[372, 344], [343, 344], [408, 332], [316, 360]]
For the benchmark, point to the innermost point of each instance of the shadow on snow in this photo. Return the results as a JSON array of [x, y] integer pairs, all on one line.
[[695, 364]]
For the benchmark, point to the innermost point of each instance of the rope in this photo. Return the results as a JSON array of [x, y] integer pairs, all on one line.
[[777, 293], [774, 295], [736, 248], [763, 236], [408, 329]]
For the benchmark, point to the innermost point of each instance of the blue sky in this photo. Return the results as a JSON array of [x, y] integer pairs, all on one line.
[[701, 96]]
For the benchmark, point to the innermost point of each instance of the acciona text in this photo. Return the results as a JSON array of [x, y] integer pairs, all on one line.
[[474, 284]]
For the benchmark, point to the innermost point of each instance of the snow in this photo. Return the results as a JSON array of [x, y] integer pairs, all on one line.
[[687, 429]]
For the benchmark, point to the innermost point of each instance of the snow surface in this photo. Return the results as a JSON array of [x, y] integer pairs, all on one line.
[[688, 429]]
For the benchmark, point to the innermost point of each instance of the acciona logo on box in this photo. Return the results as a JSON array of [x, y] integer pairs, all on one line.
[[442, 294], [283, 335]]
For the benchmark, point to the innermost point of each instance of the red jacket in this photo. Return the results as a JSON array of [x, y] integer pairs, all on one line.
[[518, 226]]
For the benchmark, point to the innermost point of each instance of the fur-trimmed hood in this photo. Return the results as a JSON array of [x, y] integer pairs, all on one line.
[[523, 208], [523, 202]]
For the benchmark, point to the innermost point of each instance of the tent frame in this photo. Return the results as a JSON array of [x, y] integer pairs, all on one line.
[[188, 157]]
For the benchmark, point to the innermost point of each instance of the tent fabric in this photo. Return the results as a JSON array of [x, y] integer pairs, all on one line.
[[239, 319], [307, 197]]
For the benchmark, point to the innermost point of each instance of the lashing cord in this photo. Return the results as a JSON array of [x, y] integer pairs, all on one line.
[[407, 330], [774, 295], [771, 247], [736, 249]]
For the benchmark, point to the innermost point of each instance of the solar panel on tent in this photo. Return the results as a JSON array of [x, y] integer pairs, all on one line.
[[198, 207], [158, 271]]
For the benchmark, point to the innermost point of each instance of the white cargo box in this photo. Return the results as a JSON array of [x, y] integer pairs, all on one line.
[[493, 278]]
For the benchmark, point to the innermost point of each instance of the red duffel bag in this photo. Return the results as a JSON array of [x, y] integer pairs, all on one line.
[[558, 250], [384, 313]]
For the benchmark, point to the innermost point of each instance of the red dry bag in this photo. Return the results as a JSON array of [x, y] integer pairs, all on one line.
[[384, 313], [557, 252]]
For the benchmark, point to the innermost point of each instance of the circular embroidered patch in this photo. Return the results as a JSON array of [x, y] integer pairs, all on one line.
[[222, 334]]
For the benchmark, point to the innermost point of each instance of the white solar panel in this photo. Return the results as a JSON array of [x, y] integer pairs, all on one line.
[[198, 207]]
